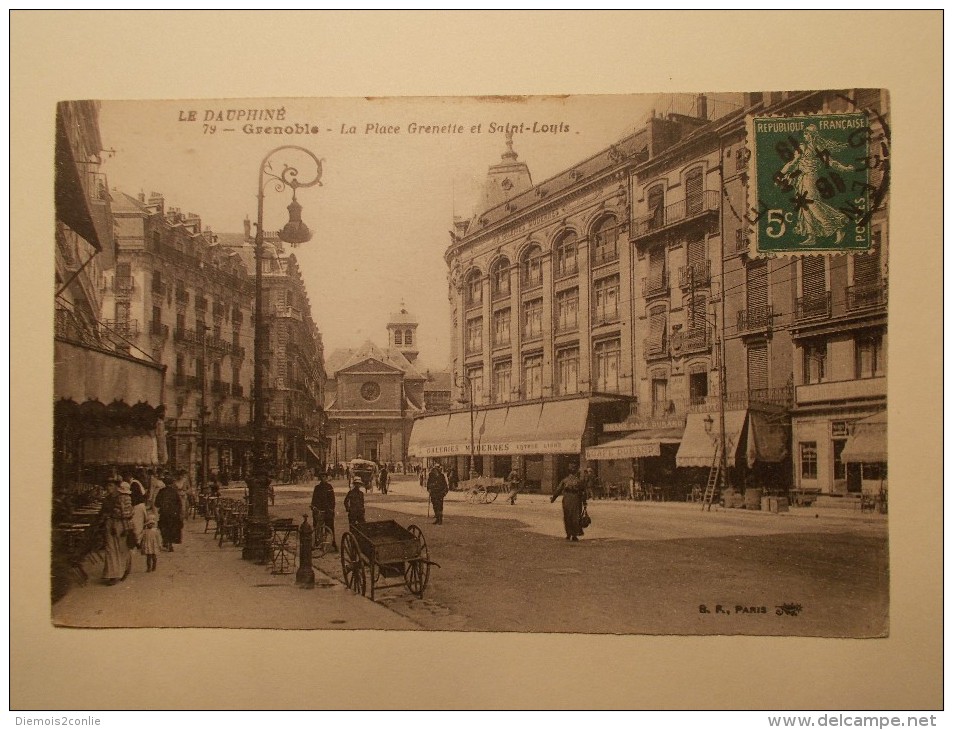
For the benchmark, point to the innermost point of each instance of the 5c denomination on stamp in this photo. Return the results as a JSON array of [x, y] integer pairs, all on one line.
[[810, 182]]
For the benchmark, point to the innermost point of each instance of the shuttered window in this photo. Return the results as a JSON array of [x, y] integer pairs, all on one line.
[[656, 203], [697, 307], [656, 269], [867, 265], [756, 279], [813, 280], [758, 367], [657, 326], [696, 255], [693, 192]]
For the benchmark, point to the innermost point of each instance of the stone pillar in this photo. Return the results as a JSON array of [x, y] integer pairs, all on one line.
[[305, 575], [586, 378]]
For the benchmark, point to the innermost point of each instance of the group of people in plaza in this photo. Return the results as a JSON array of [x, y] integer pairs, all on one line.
[[143, 511]]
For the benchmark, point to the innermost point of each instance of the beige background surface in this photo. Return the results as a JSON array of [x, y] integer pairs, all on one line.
[[240, 54]]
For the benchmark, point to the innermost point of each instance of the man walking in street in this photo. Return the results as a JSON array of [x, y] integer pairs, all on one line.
[[322, 508], [438, 487], [354, 503]]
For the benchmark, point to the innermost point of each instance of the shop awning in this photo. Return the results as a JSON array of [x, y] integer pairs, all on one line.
[[551, 428], [645, 442], [83, 374], [867, 443], [698, 444], [73, 207]]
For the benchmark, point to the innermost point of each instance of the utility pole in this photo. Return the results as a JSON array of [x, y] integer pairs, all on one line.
[[203, 424]]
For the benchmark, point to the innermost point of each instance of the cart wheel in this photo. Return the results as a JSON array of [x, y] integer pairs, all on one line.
[[417, 572], [352, 565], [491, 494]]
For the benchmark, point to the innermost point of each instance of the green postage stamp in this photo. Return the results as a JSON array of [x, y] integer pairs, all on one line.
[[816, 182]]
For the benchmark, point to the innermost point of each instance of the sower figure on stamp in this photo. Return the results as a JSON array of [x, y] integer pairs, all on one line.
[[438, 487]]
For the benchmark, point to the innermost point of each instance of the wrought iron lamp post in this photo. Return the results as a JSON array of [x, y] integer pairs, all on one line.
[[295, 232]]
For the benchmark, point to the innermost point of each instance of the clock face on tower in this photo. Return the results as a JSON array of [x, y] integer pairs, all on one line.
[[370, 391]]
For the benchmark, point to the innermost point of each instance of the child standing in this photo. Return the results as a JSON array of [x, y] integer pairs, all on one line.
[[151, 541]]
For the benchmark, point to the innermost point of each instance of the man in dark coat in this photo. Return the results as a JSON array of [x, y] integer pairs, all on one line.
[[383, 476], [438, 487], [322, 506], [354, 503], [170, 507]]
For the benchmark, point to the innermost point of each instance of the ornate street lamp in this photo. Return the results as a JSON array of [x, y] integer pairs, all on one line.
[[258, 532]]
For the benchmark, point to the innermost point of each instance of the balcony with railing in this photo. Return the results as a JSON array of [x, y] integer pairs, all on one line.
[[755, 319], [605, 315], [817, 306], [217, 344], [158, 329], [602, 255], [696, 339], [655, 286], [842, 390], [677, 213], [122, 327], [123, 285], [865, 296], [697, 275], [220, 387], [655, 347], [237, 390], [292, 312]]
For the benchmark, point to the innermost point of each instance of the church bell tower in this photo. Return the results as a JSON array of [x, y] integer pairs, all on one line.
[[402, 333]]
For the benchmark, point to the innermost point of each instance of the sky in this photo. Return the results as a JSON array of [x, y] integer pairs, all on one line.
[[388, 195]]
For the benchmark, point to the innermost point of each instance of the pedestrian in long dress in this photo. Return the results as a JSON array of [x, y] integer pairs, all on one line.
[[574, 498], [117, 520], [169, 504]]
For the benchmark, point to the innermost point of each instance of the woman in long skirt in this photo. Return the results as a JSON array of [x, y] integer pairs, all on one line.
[[117, 519], [574, 497]]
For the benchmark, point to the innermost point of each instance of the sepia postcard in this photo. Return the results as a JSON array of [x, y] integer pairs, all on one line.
[[598, 367]]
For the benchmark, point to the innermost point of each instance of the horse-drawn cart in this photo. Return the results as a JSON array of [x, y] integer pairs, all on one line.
[[374, 552]]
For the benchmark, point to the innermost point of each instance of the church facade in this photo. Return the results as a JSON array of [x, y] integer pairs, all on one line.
[[374, 393]]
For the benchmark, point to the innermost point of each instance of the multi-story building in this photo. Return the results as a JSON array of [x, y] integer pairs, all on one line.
[[374, 393], [180, 296], [108, 398], [539, 282], [294, 373], [618, 303]]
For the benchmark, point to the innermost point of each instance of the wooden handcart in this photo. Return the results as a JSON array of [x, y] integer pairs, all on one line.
[[373, 553]]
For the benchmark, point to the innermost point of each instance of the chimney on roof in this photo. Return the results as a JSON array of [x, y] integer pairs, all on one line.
[[702, 107], [142, 197]]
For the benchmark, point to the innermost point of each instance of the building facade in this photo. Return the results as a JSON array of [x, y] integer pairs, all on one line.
[[108, 397], [374, 393], [621, 296], [185, 299]]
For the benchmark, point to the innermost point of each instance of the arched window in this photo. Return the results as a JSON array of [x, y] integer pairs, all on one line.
[[408, 337], [605, 241], [531, 268], [398, 337], [566, 254], [473, 292], [500, 278]]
